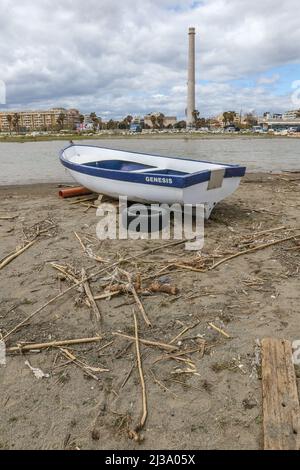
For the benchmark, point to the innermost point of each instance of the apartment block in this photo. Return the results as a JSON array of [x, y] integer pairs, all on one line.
[[38, 120]]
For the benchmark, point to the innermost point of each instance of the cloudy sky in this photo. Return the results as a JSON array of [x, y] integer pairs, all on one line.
[[118, 57]]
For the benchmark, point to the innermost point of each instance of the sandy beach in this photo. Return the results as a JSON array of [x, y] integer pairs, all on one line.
[[203, 394]]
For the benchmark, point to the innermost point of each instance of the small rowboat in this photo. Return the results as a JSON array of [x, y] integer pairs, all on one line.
[[151, 178]]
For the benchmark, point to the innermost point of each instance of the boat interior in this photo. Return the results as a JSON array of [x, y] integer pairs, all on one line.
[[136, 167]]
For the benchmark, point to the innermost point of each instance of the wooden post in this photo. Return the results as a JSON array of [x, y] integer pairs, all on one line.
[[280, 396]]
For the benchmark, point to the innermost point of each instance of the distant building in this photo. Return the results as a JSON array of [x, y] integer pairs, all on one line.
[[291, 115], [87, 124], [279, 121], [220, 120], [39, 120], [269, 115]]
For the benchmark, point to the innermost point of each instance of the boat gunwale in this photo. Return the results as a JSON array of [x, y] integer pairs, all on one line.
[[182, 181]]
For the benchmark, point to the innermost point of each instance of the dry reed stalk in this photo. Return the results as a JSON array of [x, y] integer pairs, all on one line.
[[11, 257], [251, 250], [166, 347], [53, 344], [139, 427], [90, 296]]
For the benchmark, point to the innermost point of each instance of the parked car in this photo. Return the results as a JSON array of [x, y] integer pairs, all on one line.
[[231, 128], [257, 129]]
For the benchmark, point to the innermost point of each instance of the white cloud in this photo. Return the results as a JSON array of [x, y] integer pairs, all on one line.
[[269, 80], [120, 57]]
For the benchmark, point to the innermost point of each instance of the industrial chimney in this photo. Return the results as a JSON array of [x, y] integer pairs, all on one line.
[[191, 105]]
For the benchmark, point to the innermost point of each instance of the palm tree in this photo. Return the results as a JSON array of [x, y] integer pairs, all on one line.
[[160, 120], [95, 120], [112, 124], [9, 119], [123, 124], [61, 119], [81, 120], [15, 122], [128, 120], [232, 115], [153, 120], [196, 116]]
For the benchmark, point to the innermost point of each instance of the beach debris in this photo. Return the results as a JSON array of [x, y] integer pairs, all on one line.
[[67, 271], [2, 352], [88, 250], [8, 217], [53, 344], [127, 376], [136, 297], [108, 295], [73, 192], [185, 384], [256, 361], [281, 409], [61, 294], [34, 233], [80, 241], [200, 349], [251, 250], [185, 330], [203, 260], [105, 346], [162, 287], [167, 347], [134, 434], [83, 201], [9, 258], [160, 384], [82, 365], [190, 369], [219, 330], [126, 288], [94, 306], [38, 373]]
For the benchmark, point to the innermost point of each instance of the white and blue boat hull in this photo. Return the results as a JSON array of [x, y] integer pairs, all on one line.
[[151, 178]]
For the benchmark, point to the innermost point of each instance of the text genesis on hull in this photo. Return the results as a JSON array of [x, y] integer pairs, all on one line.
[[151, 178]]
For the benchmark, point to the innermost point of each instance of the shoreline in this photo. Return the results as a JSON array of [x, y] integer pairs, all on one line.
[[158, 136]]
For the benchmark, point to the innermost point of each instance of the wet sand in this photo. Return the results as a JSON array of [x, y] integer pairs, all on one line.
[[204, 402]]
